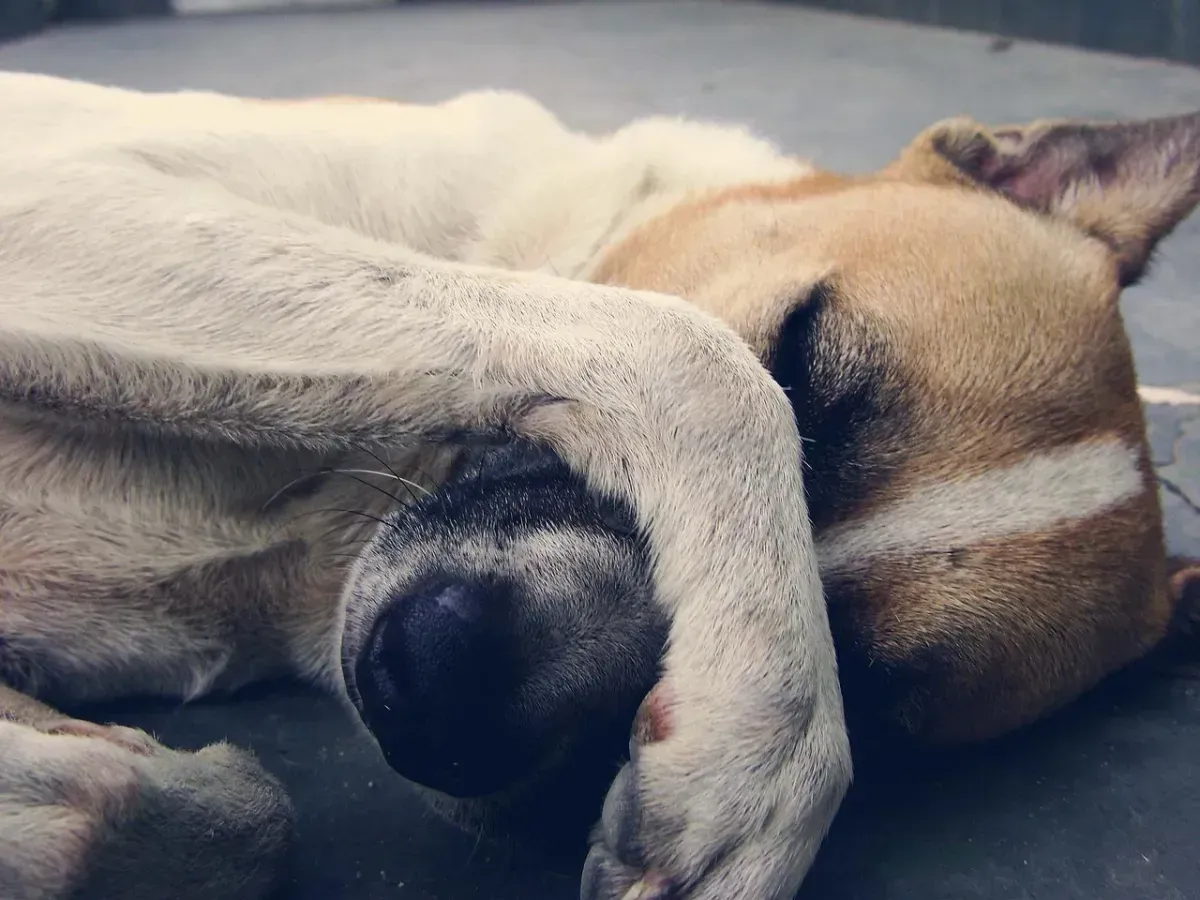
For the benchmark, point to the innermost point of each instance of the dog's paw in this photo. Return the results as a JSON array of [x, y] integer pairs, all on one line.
[[90, 811], [58, 795], [727, 795]]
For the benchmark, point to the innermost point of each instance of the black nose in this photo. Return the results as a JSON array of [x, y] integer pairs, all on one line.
[[437, 680]]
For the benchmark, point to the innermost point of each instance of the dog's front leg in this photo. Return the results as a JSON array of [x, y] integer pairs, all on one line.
[[175, 308], [739, 757]]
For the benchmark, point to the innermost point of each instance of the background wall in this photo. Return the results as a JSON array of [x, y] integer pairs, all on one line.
[[1169, 29], [1166, 29]]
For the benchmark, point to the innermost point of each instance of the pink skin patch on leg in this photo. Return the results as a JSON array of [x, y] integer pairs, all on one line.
[[653, 722]]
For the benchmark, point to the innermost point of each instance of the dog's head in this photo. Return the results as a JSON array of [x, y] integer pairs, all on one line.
[[975, 459], [985, 511]]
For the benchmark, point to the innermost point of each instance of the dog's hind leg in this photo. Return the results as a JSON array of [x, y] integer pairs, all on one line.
[[96, 605], [89, 811], [131, 566]]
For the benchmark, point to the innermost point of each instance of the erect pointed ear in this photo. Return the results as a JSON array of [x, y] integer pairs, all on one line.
[[1126, 183]]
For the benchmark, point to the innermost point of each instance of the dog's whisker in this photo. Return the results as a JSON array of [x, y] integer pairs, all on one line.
[[479, 835], [424, 474], [365, 515], [347, 473], [379, 459], [300, 479], [338, 535], [411, 485], [331, 511], [345, 542], [351, 556], [375, 472]]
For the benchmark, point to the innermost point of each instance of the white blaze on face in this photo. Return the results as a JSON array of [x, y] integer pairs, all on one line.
[[1069, 484]]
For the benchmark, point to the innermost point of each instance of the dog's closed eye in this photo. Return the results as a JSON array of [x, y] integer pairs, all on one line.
[[617, 516]]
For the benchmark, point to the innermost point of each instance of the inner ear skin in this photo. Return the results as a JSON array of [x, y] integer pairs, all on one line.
[[1126, 183]]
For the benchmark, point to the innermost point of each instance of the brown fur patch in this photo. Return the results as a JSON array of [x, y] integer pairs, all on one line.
[[1184, 586], [992, 334], [971, 643]]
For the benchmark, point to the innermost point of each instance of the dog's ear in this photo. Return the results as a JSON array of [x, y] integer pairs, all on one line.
[[1126, 183]]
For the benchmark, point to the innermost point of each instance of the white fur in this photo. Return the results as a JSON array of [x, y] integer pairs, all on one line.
[[1039, 492], [248, 280], [489, 177]]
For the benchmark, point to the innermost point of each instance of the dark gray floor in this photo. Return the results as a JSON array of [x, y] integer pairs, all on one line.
[[1102, 803]]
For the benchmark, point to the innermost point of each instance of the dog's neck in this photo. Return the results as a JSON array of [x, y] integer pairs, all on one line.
[[564, 218]]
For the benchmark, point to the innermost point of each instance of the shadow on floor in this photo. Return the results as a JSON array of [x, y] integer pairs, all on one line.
[[1075, 807]]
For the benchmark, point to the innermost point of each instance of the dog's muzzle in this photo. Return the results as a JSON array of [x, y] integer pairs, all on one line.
[[509, 653], [435, 680]]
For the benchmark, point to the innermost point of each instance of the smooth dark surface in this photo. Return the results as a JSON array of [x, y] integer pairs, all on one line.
[[1169, 29], [19, 18], [111, 9], [1103, 802]]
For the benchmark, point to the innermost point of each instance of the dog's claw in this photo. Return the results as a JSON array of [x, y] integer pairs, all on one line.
[[606, 878], [615, 868]]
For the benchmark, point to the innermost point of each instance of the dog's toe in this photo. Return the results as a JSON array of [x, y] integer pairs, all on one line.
[[95, 812]]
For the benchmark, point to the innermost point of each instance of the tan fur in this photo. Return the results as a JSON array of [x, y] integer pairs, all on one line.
[[206, 297], [1011, 345]]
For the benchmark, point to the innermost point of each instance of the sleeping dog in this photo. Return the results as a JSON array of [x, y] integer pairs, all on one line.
[[563, 459]]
